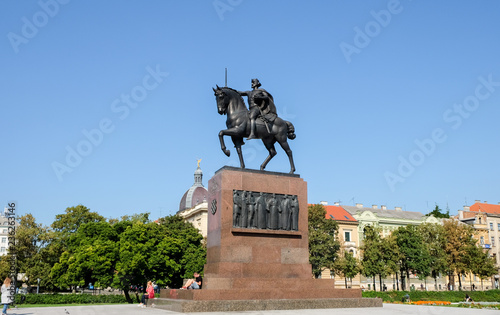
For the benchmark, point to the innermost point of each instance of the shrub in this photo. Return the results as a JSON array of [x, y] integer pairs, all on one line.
[[450, 296], [58, 298]]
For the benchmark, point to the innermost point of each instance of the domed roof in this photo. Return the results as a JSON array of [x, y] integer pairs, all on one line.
[[196, 194]]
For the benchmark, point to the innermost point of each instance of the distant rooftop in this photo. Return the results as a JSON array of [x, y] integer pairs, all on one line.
[[485, 207], [338, 213]]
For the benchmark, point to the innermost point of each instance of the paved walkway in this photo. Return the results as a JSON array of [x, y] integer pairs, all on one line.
[[388, 309]]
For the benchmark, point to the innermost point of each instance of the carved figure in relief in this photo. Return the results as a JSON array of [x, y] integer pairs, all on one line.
[[273, 213], [236, 209], [294, 213], [261, 211]]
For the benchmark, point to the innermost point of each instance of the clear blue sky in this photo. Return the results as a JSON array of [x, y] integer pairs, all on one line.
[[362, 81]]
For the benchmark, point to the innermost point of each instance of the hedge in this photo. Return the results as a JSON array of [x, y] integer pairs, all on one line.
[[451, 296], [58, 298]]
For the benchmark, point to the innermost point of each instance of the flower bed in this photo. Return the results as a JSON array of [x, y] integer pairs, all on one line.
[[431, 303]]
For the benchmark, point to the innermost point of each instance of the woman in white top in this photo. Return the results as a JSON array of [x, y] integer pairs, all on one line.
[[6, 295]]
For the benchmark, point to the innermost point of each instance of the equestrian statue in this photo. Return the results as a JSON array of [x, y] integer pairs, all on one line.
[[259, 121]]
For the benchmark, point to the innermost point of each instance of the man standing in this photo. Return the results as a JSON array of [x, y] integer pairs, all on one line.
[[260, 103]]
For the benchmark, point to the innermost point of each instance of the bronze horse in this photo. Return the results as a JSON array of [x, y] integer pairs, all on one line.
[[230, 103]]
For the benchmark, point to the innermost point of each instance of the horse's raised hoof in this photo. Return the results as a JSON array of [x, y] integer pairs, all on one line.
[[226, 152]]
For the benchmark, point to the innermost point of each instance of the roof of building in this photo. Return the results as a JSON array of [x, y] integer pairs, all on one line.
[[381, 213], [485, 207], [338, 213], [196, 194]]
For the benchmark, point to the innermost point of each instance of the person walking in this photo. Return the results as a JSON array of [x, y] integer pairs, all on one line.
[[6, 295]]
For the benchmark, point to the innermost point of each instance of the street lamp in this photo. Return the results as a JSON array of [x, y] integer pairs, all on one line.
[[38, 286]]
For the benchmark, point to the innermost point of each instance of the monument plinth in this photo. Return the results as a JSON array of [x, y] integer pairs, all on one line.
[[257, 249], [242, 257]]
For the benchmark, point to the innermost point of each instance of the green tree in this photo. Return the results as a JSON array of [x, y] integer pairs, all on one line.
[[164, 252], [484, 266], [414, 255], [438, 214], [390, 257], [68, 223], [31, 238], [372, 262], [433, 237], [323, 240], [347, 266], [65, 225], [90, 257]]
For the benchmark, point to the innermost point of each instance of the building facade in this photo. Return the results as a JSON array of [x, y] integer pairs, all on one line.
[[491, 212]]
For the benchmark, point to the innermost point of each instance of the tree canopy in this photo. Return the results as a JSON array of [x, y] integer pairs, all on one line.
[[323, 240]]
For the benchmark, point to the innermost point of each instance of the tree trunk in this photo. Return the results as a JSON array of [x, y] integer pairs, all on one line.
[[345, 282], [380, 282], [403, 282], [459, 281], [408, 279], [374, 286], [397, 280], [127, 296]]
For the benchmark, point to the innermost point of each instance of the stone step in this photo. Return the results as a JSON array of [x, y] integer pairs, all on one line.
[[259, 283], [188, 306], [260, 294]]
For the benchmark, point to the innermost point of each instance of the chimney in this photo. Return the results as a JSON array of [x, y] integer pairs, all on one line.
[[478, 201], [374, 207], [398, 208], [359, 205], [336, 203], [466, 208], [383, 207], [485, 201], [324, 203], [461, 214]]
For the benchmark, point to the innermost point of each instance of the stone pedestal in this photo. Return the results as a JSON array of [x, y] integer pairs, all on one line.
[[245, 263], [251, 258]]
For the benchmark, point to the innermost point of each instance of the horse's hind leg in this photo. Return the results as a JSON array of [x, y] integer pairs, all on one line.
[[288, 151], [272, 152]]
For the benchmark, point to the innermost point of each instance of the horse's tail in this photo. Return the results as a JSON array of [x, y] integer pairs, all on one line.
[[291, 130]]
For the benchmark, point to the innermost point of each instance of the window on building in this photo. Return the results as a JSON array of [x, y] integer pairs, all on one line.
[[492, 241], [479, 220], [4, 240], [4, 231], [481, 240], [499, 226], [347, 236], [491, 226], [2, 249]]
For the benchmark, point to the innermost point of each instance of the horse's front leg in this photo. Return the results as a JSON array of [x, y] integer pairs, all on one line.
[[233, 132], [240, 155], [222, 144]]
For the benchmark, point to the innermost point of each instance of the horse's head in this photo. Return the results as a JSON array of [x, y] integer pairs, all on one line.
[[222, 100]]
